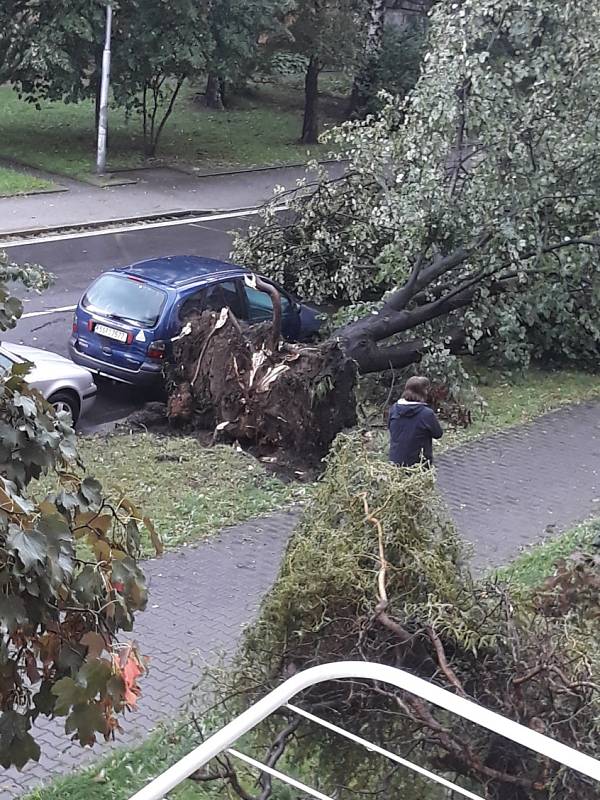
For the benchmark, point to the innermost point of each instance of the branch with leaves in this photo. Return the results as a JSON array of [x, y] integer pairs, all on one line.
[[70, 582], [374, 573]]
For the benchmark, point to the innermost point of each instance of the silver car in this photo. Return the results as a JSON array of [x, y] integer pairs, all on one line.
[[65, 385]]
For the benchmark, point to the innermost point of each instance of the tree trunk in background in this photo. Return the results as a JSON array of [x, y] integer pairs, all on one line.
[[365, 79], [213, 97], [310, 125]]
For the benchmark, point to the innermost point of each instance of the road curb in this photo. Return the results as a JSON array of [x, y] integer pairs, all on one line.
[[5, 238], [188, 170]]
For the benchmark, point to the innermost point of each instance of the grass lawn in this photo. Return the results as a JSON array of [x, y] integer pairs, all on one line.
[[536, 563], [118, 776], [262, 127], [189, 492], [516, 400], [13, 182]]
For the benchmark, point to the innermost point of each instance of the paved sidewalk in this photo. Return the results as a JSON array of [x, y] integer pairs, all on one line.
[[506, 491], [519, 486], [157, 191]]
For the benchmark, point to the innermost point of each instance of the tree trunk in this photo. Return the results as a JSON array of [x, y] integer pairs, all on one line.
[[364, 82], [310, 125], [152, 131], [213, 96]]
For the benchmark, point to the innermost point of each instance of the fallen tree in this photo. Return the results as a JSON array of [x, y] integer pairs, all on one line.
[[467, 221], [376, 572], [468, 217]]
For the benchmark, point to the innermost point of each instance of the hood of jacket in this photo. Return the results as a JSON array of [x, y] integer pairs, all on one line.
[[403, 408]]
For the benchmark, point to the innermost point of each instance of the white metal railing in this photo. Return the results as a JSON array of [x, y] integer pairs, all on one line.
[[222, 741]]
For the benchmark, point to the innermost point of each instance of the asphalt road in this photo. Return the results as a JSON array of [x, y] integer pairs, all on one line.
[[76, 262]]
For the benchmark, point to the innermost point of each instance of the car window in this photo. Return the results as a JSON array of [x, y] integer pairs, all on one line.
[[260, 305], [125, 299], [5, 363], [213, 298]]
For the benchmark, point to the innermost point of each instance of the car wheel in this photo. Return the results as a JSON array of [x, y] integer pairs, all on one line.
[[66, 401]]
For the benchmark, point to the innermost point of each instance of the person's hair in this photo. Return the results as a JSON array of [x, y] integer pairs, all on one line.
[[416, 389]]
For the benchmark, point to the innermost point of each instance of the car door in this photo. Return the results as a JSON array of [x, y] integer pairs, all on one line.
[[259, 308]]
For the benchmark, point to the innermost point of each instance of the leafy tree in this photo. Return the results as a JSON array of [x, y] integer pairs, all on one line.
[[157, 48], [399, 63], [327, 33], [67, 568], [52, 51], [239, 31], [390, 55], [468, 216]]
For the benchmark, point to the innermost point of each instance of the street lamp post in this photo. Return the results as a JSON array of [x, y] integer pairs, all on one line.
[[103, 112]]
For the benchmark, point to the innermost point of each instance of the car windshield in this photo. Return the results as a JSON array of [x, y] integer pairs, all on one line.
[[125, 299]]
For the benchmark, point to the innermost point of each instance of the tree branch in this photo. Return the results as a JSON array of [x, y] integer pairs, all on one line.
[[276, 750]]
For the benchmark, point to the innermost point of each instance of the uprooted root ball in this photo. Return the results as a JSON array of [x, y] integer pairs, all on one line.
[[295, 399]]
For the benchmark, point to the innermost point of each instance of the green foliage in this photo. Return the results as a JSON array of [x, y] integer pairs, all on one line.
[[399, 64], [59, 614], [50, 50], [419, 539], [488, 173], [283, 62], [240, 30], [53, 51], [376, 572], [328, 31], [156, 49]]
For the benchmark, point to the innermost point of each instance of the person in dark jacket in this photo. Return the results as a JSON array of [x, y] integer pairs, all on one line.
[[413, 426]]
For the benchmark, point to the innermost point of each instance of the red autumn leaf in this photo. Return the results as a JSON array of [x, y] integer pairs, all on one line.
[[130, 674], [129, 666]]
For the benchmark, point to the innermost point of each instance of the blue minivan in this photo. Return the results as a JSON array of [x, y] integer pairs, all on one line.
[[124, 323]]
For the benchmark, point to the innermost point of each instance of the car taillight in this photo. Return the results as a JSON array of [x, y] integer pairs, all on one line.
[[156, 350], [90, 325], [74, 327]]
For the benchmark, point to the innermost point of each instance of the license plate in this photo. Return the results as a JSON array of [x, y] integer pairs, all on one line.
[[111, 333]]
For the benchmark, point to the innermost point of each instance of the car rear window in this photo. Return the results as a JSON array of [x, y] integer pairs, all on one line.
[[125, 299]]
